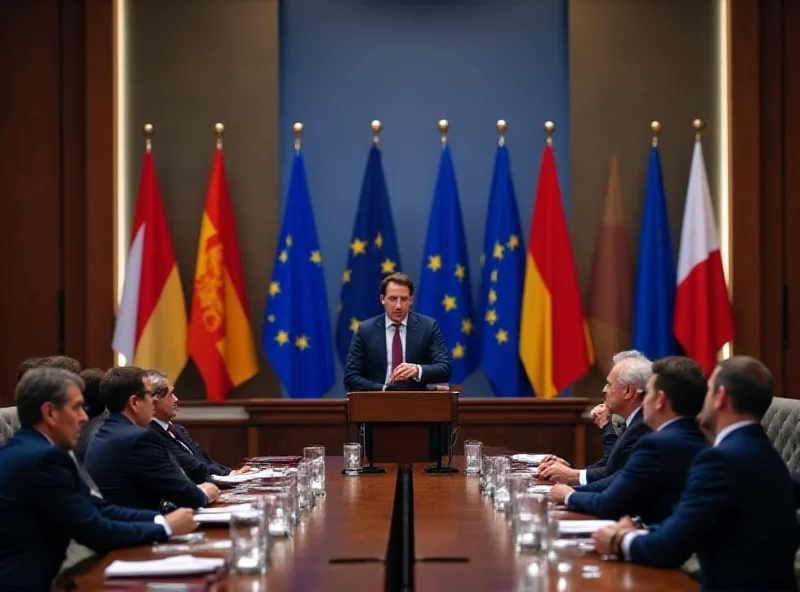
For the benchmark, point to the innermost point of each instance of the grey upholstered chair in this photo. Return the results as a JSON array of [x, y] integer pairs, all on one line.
[[782, 424], [9, 423]]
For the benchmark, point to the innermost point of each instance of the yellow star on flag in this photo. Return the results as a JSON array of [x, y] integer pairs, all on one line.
[[434, 262], [301, 342], [274, 288], [284, 256], [358, 247], [346, 276], [492, 296], [501, 336], [282, 337], [449, 303], [316, 257], [379, 240], [388, 266], [460, 272], [288, 240], [458, 351], [513, 242], [466, 326], [354, 323], [483, 259], [498, 250], [491, 316], [493, 275], [271, 318]]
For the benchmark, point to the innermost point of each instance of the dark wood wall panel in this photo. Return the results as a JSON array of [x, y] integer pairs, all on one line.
[[285, 427], [30, 170]]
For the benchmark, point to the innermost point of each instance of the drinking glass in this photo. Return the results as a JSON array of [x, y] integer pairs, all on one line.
[[473, 451], [316, 455], [352, 458], [249, 541], [304, 493], [529, 522]]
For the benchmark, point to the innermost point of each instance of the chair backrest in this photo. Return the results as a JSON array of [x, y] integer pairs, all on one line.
[[782, 424], [9, 423]]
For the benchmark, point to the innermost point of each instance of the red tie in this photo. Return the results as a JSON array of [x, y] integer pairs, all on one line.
[[397, 347]]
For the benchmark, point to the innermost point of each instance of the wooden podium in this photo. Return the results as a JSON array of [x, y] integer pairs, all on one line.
[[403, 426]]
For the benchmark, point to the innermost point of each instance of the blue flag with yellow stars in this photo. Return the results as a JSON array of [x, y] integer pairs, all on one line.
[[372, 255], [445, 292], [502, 280], [297, 334]]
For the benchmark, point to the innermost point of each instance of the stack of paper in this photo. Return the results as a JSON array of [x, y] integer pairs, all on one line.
[[169, 566], [582, 527]]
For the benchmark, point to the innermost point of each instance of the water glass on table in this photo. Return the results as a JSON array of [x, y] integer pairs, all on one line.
[[316, 455], [304, 493], [352, 458], [473, 452], [529, 522], [249, 541]]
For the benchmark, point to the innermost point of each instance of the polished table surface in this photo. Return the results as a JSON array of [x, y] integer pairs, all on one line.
[[461, 543]]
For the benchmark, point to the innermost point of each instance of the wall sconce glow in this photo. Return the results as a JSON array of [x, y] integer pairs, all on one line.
[[724, 153], [121, 221]]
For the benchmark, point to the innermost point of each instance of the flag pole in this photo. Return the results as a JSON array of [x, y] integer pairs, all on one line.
[[147, 130], [550, 129], [443, 127], [298, 135], [502, 128], [698, 127], [655, 126], [376, 126], [219, 131]]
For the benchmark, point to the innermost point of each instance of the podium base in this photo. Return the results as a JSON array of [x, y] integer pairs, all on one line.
[[440, 470], [371, 470]]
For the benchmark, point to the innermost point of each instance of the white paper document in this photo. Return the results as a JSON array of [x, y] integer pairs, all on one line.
[[225, 509], [540, 489], [169, 566], [243, 477], [533, 459], [582, 526]]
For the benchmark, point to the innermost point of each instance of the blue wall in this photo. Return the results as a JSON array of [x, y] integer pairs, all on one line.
[[410, 63]]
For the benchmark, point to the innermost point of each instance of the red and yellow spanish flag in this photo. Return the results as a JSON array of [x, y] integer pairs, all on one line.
[[554, 343], [220, 340], [150, 330]]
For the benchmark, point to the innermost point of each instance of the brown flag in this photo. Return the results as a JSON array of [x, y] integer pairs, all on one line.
[[610, 290]]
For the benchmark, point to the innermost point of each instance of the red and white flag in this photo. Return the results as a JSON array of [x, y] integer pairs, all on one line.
[[703, 321]]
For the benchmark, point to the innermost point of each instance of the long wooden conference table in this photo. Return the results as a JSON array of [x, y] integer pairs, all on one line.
[[460, 543]]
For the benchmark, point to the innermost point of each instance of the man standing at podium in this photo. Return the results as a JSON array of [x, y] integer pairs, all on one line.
[[398, 350]]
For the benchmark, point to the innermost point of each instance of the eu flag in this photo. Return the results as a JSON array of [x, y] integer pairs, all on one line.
[[373, 254], [445, 293], [655, 275], [297, 335], [502, 279]]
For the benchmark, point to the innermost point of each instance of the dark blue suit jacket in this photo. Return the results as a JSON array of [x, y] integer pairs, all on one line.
[[44, 503], [652, 480], [366, 360], [196, 464], [622, 449], [132, 467], [737, 513]]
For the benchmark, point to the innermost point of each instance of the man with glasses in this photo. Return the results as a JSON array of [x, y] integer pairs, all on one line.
[[128, 461], [197, 465], [623, 396]]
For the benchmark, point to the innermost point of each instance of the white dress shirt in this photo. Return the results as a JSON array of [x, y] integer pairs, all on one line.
[[390, 329], [625, 544], [628, 420]]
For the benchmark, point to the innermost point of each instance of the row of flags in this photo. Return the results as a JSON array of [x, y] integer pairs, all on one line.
[[528, 332]]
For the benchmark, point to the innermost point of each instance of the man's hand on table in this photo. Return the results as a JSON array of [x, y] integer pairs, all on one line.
[[244, 469], [608, 540], [559, 473], [211, 491], [559, 493], [551, 459], [181, 521]]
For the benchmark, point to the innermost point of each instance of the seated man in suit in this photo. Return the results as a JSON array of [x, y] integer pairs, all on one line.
[[737, 511], [193, 460], [95, 409], [652, 480], [398, 350], [622, 395], [130, 462], [43, 501]]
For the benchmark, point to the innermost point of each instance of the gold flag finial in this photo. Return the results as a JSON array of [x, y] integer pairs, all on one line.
[[549, 128], [219, 130], [297, 128], [502, 128], [443, 127], [698, 126], [655, 127], [376, 126], [147, 130]]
